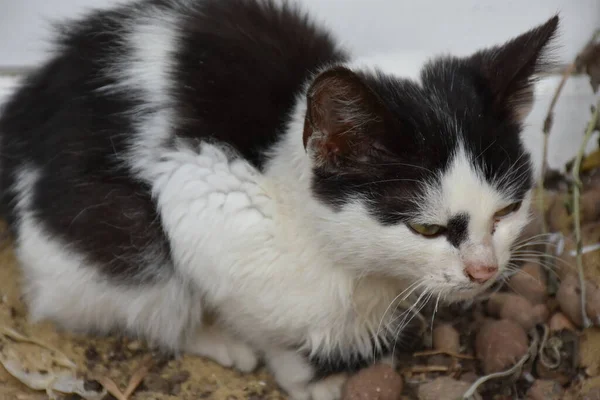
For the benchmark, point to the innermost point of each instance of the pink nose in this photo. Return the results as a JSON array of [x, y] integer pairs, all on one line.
[[480, 273]]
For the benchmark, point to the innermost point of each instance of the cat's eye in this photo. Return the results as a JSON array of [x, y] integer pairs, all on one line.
[[507, 210], [427, 230]]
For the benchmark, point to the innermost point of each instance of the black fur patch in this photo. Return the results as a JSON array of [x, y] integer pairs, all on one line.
[[458, 229], [472, 102]]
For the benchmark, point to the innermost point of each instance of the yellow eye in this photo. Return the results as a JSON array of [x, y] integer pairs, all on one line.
[[507, 210], [427, 230]]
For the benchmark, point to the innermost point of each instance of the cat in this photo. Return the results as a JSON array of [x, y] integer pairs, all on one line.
[[222, 178]]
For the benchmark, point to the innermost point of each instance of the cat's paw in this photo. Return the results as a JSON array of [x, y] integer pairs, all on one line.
[[295, 376], [224, 349], [329, 388]]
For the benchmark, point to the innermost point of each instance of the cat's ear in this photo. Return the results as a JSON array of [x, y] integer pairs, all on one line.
[[344, 119], [509, 70]]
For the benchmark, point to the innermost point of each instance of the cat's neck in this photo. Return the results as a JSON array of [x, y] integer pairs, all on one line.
[[289, 169]]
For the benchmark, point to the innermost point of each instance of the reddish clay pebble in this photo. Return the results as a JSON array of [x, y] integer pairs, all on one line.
[[592, 304], [569, 299], [593, 394], [540, 313], [500, 344], [469, 376], [446, 338], [444, 388], [378, 382], [517, 308], [590, 206], [545, 390], [559, 321], [530, 282]]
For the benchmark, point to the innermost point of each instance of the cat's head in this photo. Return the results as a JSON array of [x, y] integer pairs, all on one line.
[[429, 181]]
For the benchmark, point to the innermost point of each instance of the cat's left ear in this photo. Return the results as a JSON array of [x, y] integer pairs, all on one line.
[[509, 69], [344, 119]]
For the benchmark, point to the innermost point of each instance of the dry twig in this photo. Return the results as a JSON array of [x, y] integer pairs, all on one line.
[[418, 369], [111, 387], [548, 344], [138, 377], [427, 353], [547, 127], [134, 382], [577, 185]]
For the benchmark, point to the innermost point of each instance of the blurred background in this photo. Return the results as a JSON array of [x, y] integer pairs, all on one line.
[[406, 30]]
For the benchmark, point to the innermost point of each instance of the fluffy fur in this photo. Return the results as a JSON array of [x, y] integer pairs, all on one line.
[[220, 178]]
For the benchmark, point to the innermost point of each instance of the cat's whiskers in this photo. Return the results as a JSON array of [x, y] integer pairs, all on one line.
[[546, 267], [412, 311], [437, 302], [397, 300], [538, 255]]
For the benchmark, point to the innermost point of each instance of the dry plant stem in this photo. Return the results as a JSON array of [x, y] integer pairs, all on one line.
[[548, 122], [61, 358], [137, 378], [417, 369], [577, 185], [511, 371], [546, 131], [111, 387], [427, 353], [543, 359]]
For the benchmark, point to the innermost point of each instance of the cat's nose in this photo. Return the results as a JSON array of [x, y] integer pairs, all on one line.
[[480, 273]]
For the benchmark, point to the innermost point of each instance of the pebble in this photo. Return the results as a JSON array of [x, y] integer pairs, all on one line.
[[378, 382]]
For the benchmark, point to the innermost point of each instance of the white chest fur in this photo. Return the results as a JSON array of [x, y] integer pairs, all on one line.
[[238, 236]]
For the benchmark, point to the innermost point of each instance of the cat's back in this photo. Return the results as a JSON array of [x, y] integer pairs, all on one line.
[[228, 69], [240, 66]]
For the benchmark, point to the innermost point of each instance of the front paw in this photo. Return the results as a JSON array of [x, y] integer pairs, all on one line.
[[296, 377], [224, 349], [329, 388]]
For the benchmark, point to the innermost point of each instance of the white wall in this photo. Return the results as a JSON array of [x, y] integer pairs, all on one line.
[[368, 26]]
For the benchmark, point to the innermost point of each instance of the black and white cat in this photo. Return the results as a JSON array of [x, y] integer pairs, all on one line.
[[221, 178]]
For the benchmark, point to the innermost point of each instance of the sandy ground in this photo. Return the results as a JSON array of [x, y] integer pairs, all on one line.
[[111, 357]]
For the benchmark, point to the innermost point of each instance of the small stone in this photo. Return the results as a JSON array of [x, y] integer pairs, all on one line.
[[378, 382], [559, 321], [134, 345], [444, 388], [530, 282], [499, 344], [469, 376], [446, 338], [545, 390]]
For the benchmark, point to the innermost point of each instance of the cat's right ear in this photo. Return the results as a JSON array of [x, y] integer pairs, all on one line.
[[509, 69], [344, 119]]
